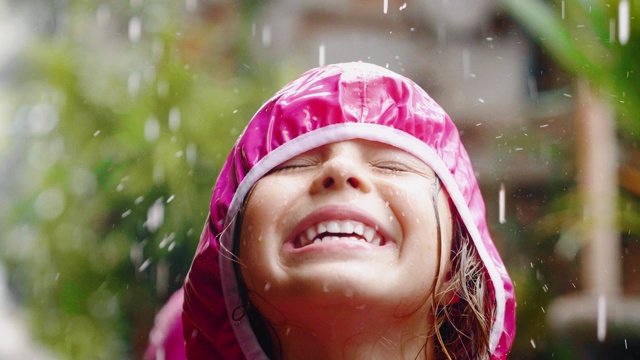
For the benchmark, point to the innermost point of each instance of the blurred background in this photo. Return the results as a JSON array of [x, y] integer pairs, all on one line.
[[115, 117]]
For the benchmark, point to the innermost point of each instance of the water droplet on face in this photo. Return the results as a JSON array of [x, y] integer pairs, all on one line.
[[267, 286]]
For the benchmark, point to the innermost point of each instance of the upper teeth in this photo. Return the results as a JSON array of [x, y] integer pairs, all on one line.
[[339, 230]]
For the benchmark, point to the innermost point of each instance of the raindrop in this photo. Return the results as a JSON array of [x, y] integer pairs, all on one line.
[[533, 344], [155, 215], [481, 100], [267, 286], [135, 29], [170, 199], [602, 318], [171, 246], [348, 293], [138, 200], [403, 6], [266, 36], [544, 125], [501, 203], [562, 9], [174, 119], [158, 174], [166, 240], [151, 129], [623, 22], [321, 56], [126, 213], [385, 6], [145, 265], [179, 153], [96, 133]]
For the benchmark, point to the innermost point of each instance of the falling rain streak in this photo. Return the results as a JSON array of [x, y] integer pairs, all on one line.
[[623, 22], [135, 29], [501, 205], [321, 56], [385, 6], [602, 318]]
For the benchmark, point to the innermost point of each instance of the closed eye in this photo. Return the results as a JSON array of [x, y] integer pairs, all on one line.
[[294, 164], [392, 167]]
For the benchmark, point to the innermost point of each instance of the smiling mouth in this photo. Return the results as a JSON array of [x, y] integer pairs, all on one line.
[[339, 230]]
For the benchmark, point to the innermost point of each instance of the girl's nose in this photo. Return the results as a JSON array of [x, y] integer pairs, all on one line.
[[342, 173]]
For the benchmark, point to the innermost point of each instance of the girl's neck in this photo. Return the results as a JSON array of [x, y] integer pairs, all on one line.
[[356, 333]]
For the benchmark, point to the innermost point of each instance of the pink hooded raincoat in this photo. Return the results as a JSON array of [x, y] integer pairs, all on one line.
[[324, 105]]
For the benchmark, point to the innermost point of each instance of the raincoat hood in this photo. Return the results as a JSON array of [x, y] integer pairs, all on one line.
[[325, 105]]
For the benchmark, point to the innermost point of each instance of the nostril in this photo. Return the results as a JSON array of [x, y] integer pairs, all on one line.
[[353, 182], [328, 182]]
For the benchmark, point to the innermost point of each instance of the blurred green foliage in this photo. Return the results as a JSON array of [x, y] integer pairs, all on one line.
[[585, 38], [126, 111]]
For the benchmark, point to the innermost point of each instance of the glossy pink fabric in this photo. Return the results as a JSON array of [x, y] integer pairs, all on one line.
[[324, 98], [166, 340]]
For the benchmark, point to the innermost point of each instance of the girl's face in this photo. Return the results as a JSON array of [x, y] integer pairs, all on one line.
[[351, 222]]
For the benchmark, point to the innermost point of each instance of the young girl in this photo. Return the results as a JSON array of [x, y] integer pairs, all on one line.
[[347, 223]]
